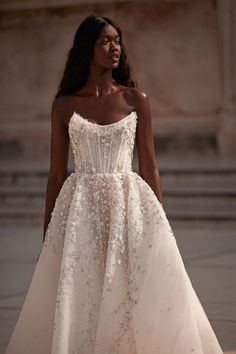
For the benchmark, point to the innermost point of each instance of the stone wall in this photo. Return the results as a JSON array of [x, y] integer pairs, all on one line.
[[176, 49]]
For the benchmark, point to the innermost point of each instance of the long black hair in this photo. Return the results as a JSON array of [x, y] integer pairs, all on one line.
[[80, 56]]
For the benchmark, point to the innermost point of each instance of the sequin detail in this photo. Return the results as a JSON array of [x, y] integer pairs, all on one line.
[[94, 201], [110, 278], [105, 217]]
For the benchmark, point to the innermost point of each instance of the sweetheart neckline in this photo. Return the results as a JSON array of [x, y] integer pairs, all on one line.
[[103, 125]]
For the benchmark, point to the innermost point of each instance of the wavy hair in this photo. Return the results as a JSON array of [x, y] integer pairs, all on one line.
[[80, 55]]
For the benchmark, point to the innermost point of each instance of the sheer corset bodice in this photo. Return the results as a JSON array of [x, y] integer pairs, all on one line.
[[102, 148]]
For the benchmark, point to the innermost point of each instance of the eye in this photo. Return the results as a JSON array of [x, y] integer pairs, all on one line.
[[105, 41]]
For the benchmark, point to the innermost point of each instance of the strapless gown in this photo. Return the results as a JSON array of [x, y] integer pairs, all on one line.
[[110, 278]]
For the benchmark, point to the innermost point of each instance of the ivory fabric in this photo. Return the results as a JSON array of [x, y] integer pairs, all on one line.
[[110, 278]]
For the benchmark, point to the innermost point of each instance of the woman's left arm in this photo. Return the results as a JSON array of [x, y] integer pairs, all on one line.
[[148, 167]]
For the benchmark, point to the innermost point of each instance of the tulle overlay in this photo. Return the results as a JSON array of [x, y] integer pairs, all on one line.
[[110, 278]]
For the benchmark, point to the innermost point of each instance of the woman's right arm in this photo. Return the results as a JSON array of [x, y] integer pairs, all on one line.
[[58, 170]]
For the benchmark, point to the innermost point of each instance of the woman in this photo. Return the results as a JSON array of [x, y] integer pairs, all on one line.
[[109, 278]]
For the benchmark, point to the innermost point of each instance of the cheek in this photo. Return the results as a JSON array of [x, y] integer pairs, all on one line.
[[100, 52]]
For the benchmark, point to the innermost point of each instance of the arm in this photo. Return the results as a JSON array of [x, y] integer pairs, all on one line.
[[58, 170], [148, 168]]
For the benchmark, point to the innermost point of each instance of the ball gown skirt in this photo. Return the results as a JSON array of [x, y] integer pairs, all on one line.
[[110, 278]]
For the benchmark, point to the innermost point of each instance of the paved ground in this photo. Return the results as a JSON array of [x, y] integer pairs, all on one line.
[[209, 254]]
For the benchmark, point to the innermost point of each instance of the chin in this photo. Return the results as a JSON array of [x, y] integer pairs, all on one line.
[[112, 65], [115, 65]]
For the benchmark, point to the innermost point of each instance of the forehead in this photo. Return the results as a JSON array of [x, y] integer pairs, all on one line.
[[109, 31]]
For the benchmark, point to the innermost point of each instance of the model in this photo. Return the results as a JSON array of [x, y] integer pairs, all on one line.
[[109, 278]]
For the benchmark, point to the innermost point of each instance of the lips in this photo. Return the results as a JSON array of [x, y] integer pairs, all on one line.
[[114, 56]]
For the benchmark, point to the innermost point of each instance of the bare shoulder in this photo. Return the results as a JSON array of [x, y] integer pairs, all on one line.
[[61, 108], [60, 104], [138, 93], [139, 98], [140, 102]]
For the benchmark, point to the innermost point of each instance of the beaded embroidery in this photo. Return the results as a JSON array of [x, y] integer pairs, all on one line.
[[105, 215]]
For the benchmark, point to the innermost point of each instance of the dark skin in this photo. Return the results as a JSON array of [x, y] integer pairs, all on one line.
[[103, 101]]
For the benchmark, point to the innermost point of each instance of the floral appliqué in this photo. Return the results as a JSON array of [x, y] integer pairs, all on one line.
[[106, 216]]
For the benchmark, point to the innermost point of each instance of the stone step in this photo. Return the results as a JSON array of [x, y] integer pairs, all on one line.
[[170, 182], [172, 190], [202, 190], [181, 207], [188, 194], [212, 180], [35, 215]]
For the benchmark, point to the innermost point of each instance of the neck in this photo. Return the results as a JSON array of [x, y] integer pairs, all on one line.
[[99, 82]]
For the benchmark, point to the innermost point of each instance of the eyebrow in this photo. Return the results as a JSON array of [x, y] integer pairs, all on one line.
[[107, 35]]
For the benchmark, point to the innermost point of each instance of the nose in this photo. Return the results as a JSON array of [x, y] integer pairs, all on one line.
[[114, 46]]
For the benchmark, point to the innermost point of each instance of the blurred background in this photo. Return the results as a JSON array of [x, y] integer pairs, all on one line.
[[183, 54]]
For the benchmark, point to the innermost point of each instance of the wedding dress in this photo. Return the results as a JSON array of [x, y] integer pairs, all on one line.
[[110, 278]]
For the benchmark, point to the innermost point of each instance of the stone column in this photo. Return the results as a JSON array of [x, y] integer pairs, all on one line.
[[227, 30]]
